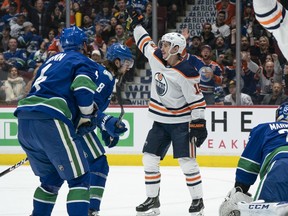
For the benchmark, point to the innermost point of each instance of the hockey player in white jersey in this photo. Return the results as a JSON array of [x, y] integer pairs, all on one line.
[[177, 108], [273, 16]]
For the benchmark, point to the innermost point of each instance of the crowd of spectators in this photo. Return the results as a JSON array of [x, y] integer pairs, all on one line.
[[263, 66], [29, 33]]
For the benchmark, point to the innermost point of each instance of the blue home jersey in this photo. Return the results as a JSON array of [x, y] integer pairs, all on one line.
[[267, 142], [63, 85], [105, 83]]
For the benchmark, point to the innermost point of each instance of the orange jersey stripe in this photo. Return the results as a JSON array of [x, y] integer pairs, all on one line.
[[267, 22], [163, 109], [144, 40]]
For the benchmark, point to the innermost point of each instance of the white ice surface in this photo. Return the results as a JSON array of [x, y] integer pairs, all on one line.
[[125, 189]]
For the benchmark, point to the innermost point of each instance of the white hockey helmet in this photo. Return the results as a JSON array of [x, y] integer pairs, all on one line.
[[175, 39]]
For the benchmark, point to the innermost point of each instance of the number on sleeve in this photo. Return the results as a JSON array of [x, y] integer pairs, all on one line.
[[41, 78]]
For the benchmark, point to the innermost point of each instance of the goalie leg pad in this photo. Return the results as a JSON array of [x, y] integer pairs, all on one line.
[[261, 208]]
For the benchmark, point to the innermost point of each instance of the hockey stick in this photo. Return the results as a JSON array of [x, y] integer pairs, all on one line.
[[14, 167], [119, 98]]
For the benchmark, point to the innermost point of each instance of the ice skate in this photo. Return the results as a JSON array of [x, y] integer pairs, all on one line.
[[197, 207], [93, 213], [149, 208]]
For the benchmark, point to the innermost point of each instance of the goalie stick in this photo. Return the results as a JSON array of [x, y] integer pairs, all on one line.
[[14, 167]]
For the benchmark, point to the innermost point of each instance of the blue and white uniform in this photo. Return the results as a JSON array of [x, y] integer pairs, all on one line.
[[94, 150], [266, 154], [63, 88]]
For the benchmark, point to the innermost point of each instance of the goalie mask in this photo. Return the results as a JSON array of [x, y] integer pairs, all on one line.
[[282, 112]]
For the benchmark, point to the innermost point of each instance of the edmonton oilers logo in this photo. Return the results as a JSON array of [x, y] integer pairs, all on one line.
[[206, 74], [161, 84]]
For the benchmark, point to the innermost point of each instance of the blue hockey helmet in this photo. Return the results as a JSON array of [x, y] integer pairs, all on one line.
[[121, 52], [282, 112], [73, 38]]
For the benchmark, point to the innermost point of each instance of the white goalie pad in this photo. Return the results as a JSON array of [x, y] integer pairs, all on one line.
[[229, 206], [260, 208]]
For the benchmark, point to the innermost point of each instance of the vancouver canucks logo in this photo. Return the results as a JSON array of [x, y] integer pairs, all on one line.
[[206, 74], [161, 84], [285, 110]]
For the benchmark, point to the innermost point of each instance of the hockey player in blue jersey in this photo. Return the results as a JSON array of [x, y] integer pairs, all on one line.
[[119, 61], [177, 108], [266, 155], [64, 88]]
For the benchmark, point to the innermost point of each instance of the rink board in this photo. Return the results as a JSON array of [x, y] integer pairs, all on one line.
[[228, 130]]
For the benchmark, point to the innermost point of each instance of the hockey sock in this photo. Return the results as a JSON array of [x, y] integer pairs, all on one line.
[[191, 171], [99, 172], [152, 182], [152, 174], [43, 202], [78, 196]]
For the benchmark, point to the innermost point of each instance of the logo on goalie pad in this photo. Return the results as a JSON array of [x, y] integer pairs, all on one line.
[[259, 207]]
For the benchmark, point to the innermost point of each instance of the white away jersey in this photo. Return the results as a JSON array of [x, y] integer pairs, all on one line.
[[272, 16], [175, 94]]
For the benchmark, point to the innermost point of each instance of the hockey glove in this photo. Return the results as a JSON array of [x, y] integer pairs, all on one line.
[[109, 140], [110, 124], [135, 16], [198, 131], [88, 123]]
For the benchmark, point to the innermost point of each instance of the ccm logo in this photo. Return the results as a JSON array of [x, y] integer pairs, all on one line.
[[263, 206]]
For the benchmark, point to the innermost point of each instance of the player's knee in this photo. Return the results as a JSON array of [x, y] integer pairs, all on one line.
[[81, 181], [100, 165], [51, 183], [151, 162], [51, 188], [188, 165]]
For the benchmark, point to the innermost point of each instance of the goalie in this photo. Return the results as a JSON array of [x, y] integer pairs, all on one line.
[[266, 155]]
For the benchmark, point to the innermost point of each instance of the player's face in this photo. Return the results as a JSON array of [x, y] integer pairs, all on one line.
[[165, 49], [125, 65]]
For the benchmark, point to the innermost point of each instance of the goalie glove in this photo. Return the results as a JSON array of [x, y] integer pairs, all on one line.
[[135, 18], [198, 131], [229, 206]]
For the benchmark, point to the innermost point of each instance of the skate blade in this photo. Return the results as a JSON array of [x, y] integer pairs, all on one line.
[[151, 212], [201, 213]]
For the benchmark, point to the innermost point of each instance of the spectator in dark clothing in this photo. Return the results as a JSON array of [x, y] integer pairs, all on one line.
[[148, 18], [276, 97], [208, 37], [4, 39], [195, 47], [39, 15], [172, 16]]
